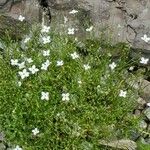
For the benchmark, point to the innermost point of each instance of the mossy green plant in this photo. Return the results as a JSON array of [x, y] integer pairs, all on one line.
[[75, 94]]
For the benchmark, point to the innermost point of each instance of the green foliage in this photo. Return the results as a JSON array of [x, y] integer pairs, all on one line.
[[95, 109]]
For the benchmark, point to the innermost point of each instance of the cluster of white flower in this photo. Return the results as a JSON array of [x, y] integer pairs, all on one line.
[[46, 39], [71, 31], [44, 95], [86, 66], [35, 131], [33, 69], [46, 53], [144, 60], [74, 55], [45, 29], [17, 148], [112, 65], [145, 38], [60, 63], [123, 93], [21, 18], [45, 65], [24, 74], [65, 96]]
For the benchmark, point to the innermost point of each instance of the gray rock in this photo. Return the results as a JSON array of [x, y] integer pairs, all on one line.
[[143, 124], [122, 20], [2, 146], [147, 113], [2, 136], [145, 88], [123, 144], [137, 112], [2, 2]]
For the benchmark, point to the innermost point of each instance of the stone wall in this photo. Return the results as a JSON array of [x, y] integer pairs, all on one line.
[[125, 20]]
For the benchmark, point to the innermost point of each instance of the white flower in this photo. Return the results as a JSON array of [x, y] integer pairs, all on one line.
[[46, 53], [17, 148], [21, 65], [145, 38], [119, 26], [86, 66], [45, 29], [44, 95], [45, 65], [89, 29], [29, 60], [33, 69], [65, 96], [73, 11], [19, 83], [123, 93], [79, 82], [74, 55], [60, 62], [131, 68], [112, 66], [65, 19], [23, 74], [144, 60], [21, 18], [14, 62], [26, 39], [71, 31], [46, 39], [148, 104], [35, 131]]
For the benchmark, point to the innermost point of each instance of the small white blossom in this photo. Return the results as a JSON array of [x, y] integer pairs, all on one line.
[[119, 26], [73, 11], [89, 29], [46, 53], [35, 131], [21, 65], [45, 65], [65, 96], [112, 66], [44, 95], [123, 93], [79, 82], [19, 83], [17, 148], [65, 19], [14, 62], [45, 29], [26, 39], [74, 55], [29, 60], [60, 63], [46, 39], [145, 38], [131, 68], [24, 73], [148, 104], [71, 31], [33, 69], [86, 66], [144, 60], [21, 18]]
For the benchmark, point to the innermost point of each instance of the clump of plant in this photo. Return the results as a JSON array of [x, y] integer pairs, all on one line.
[[61, 93]]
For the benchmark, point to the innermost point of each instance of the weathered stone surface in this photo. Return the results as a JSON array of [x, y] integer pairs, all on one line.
[[120, 144], [2, 146], [125, 20], [13, 27], [147, 113]]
